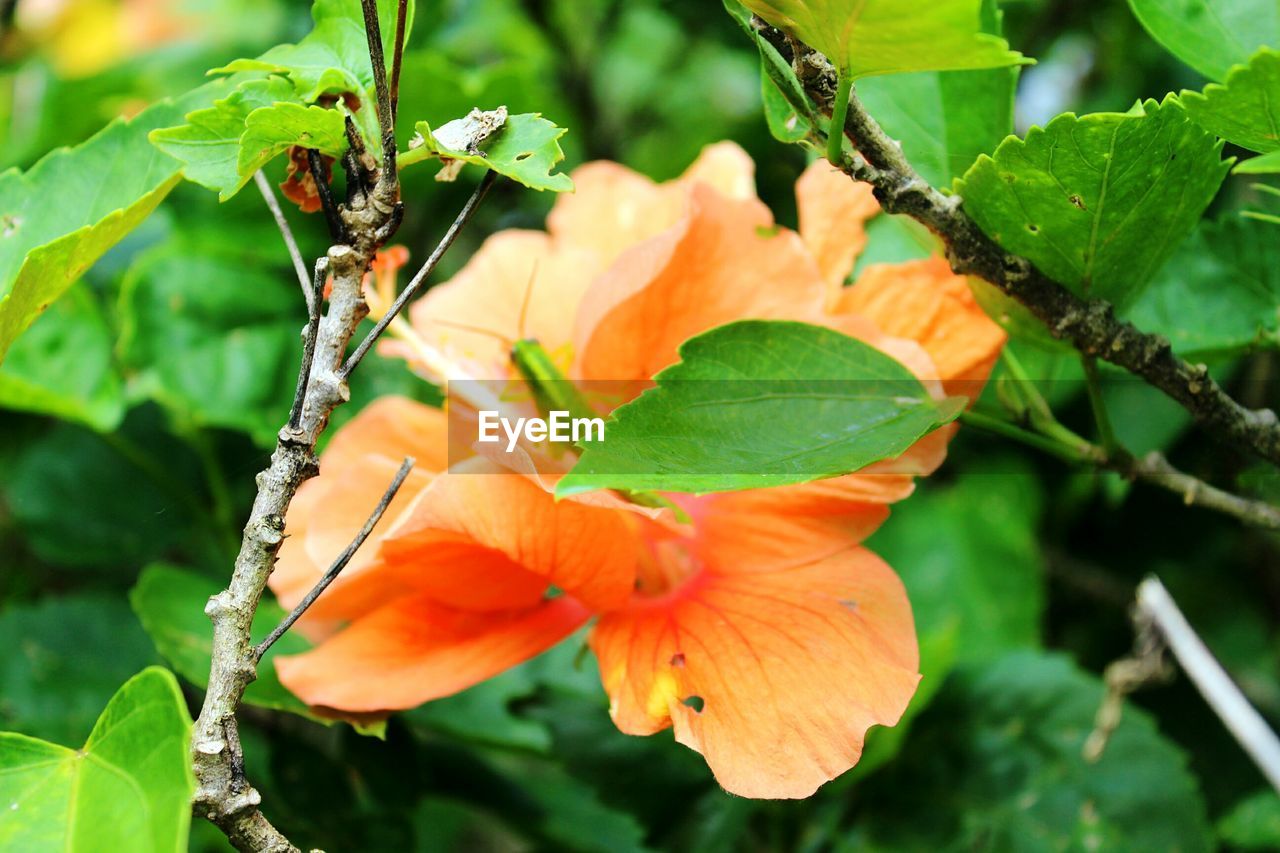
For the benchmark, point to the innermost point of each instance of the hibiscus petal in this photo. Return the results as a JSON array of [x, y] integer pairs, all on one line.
[[833, 211], [355, 470], [926, 302], [510, 531], [415, 649], [773, 676], [518, 285], [724, 261], [612, 208]]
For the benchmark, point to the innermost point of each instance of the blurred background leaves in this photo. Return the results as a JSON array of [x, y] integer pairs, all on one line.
[[166, 370]]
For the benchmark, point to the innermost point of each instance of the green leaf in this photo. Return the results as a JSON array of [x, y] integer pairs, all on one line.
[[213, 337], [271, 131], [760, 403], [334, 56], [483, 713], [59, 217], [208, 145], [1246, 110], [969, 555], [945, 119], [1220, 292], [65, 492], [1211, 35], [999, 759], [1254, 823], [1267, 164], [1098, 202], [63, 366], [54, 681], [128, 788], [868, 37], [522, 147], [970, 558], [170, 603]]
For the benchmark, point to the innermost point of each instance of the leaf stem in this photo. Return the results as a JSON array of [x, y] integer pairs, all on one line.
[[1106, 433], [839, 111]]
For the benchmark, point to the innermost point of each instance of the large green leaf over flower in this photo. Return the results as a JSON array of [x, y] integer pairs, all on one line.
[[760, 403], [867, 37]]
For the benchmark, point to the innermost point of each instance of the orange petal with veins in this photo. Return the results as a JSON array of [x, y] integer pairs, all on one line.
[[773, 675], [724, 261], [415, 649], [516, 537]]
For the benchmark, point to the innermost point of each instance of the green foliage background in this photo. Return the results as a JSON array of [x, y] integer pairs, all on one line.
[[1020, 570]]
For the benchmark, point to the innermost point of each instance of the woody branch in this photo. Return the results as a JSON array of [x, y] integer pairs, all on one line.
[[360, 226], [1090, 325]]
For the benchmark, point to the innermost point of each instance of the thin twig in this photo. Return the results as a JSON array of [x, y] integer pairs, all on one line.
[[459, 222], [373, 32], [397, 55], [315, 296], [340, 563], [1090, 325], [1217, 688], [337, 230], [1153, 468], [299, 265]]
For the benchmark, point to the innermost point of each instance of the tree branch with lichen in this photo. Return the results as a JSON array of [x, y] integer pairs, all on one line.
[[1090, 325]]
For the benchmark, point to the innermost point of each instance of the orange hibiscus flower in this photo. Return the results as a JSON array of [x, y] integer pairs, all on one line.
[[756, 626]]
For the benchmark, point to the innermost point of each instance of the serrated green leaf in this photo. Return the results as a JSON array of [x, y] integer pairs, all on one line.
[[208, 144], [1211, 35], [271, 131], [1098, 202], [524, 148], [999, 759], [63, 214], [334, 56], [1220, 292], [62, 366], [170, 604], [128, 788], [760, 403], [1254, 823], [869, 37], [1246, 110]]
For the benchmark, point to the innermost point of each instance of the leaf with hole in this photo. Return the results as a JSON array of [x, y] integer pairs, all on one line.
[[760, 403], [128, 788], [522, 147], [1098, 202]]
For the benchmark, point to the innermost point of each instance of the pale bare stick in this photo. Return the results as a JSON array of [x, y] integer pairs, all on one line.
[[1217, 688], [299, 265]]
